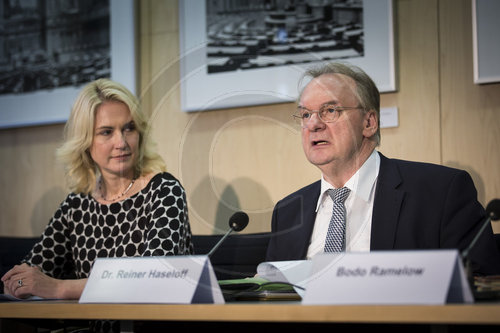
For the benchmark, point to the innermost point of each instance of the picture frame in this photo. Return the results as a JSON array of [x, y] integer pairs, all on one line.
[[202, 91], [52, 106], [486, 48]]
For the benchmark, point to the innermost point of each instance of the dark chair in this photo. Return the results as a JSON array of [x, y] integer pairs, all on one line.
[[497, 240], [12, 251], [237, 257]]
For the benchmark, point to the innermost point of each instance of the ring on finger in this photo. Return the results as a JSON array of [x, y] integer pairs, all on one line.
[[20, 283]]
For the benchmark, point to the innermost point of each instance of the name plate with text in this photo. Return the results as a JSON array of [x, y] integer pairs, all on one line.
[[170, 279], [388, 277]]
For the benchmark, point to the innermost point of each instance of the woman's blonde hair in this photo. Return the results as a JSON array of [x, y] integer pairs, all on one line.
[[81, 170]]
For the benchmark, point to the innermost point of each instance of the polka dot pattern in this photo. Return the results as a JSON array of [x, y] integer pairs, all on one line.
[[153, 222]]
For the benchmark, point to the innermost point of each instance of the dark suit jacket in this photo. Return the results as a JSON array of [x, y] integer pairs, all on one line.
[[417, 206]]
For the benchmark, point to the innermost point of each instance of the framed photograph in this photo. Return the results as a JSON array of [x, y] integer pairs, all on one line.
[[45, 64], [485, 28], [241, 53]]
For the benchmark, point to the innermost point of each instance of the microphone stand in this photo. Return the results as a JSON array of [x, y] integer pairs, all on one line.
[[465, 253], [237, 222], [219, 242]]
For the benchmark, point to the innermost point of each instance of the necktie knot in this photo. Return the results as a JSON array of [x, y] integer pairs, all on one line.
[[339, 195]]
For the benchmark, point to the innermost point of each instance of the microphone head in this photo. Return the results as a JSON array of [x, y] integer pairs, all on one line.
[[493, 209], [238, 221]]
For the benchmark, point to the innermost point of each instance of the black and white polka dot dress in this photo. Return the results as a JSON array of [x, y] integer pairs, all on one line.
[[153, 222]]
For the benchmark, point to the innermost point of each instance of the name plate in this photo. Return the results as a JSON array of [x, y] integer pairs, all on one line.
[[171, 279], [388, 277]]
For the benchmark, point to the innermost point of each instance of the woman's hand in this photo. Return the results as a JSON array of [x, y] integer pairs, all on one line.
[[23, 281]]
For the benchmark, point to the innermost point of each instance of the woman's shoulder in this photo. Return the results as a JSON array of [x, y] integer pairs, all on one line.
[[163, 179], [73, 201]]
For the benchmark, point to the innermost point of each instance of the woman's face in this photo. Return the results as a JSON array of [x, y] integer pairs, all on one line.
[[115, 143]]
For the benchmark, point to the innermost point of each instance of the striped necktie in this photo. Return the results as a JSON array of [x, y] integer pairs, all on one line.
[[335, 237]]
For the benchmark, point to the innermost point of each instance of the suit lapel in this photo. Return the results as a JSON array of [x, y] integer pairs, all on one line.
[[308, 215], [387, 205]]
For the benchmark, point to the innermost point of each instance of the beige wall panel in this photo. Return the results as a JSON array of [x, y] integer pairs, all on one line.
[[417, 98], [248, 158], [160, 79], [164, 16], [32, 182], [214, 147], [145, 73], [197, 145], [470, 122], [241, 159]]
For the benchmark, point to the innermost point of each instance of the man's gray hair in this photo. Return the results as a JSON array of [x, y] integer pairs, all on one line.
[[367, 92]]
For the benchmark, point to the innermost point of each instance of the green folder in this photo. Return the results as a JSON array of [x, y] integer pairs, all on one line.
[[258, 289]]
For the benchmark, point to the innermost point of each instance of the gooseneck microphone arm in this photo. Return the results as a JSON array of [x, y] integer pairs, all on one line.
[[465, 253], [492, 214], [219, 243], [237, 222]]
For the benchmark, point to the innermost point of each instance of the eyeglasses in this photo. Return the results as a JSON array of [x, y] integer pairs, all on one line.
[[328, 113]]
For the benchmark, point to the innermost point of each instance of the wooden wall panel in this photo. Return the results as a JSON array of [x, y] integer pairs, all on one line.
[[418, 135], [211, 151], [248, 158], [31, 181], [470, 113]]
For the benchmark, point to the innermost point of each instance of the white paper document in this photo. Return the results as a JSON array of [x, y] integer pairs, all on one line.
[[295, 272]]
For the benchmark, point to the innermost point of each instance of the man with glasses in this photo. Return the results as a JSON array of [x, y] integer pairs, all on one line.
[[365, 201]]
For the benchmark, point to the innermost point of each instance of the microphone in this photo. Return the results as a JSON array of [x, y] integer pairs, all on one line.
[[237, 222], [492, 214]]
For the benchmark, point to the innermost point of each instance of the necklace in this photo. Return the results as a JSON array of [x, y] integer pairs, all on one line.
[[119, 196]]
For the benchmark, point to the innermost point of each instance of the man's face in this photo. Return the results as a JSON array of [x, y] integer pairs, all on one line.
[[335, 143]]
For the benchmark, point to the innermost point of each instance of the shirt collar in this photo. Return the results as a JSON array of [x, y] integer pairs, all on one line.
[[361, 183]]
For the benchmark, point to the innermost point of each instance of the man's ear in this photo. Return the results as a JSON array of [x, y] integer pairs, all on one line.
[[370, 123]]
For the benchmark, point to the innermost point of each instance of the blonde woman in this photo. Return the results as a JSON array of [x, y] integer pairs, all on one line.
[[122, 202]]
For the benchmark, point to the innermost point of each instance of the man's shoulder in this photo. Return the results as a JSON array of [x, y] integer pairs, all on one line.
[[414, 175], [308, 191], [418, 167]]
